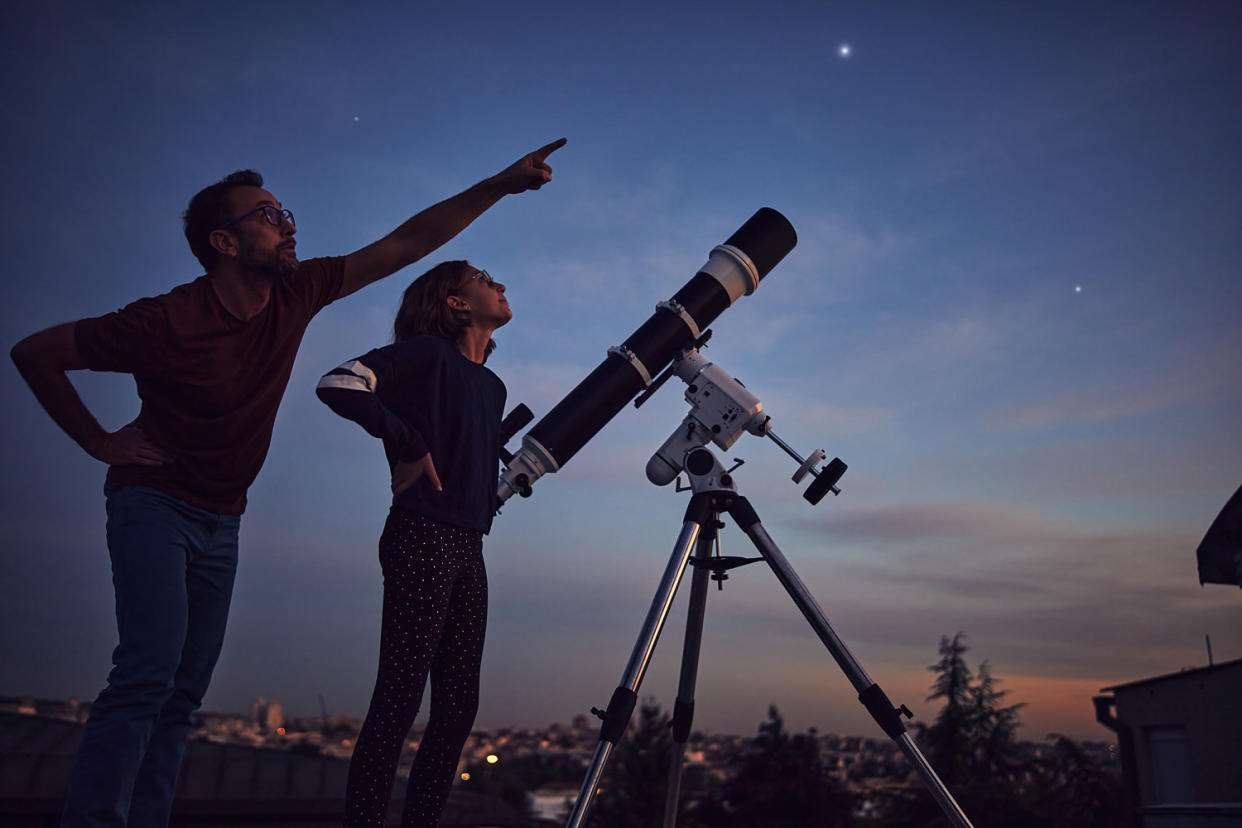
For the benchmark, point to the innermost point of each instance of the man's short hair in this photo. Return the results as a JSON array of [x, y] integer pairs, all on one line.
[[210, 209]]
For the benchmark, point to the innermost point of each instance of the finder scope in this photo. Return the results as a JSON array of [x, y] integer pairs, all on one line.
[[733, 269]]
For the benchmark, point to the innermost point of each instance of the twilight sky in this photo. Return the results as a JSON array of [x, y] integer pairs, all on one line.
[[1012, 310]]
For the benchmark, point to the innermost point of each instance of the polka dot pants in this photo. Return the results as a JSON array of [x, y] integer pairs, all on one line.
[[435, 616]]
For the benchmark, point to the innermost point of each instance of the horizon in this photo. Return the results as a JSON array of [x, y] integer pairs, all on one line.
[[593, 721], [1011, 311]]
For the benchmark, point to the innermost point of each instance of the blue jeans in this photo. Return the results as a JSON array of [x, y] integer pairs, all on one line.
[[172, 569]]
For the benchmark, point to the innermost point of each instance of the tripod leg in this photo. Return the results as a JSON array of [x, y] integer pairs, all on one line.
[[621, 706], [869, 693], [683, 710]]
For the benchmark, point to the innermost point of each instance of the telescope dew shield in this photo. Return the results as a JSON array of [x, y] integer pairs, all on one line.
[[732, 270]]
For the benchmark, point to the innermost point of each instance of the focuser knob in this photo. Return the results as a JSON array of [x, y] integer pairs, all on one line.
[[521, 484]]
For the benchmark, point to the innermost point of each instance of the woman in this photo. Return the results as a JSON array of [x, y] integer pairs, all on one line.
[[437, 408]]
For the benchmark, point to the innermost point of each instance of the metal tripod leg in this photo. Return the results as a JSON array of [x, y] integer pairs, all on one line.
[[702, 512], [621, 706], [869, 693], [683, 710]]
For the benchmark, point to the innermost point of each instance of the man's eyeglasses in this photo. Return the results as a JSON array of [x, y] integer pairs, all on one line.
[[270, 213], [486, 277]]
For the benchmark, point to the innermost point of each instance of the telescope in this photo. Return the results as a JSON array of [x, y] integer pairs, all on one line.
[[733, 269], [722, 409]]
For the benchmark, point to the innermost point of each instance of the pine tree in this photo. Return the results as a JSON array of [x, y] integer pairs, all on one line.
[[947, 740], [992, 729], [972, 747]]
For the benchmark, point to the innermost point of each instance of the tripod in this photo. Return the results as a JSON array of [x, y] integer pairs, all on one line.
[[714, 494]]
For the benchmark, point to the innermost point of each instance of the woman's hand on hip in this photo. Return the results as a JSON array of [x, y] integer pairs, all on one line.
[[406, 474]]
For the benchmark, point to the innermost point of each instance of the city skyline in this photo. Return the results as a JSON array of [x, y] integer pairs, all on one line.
[[1011, 311]]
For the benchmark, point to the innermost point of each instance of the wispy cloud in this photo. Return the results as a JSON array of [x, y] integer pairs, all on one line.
[[1103, 467], [1181, 374], [1053, 119]]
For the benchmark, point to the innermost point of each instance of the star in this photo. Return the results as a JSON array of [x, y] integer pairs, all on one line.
[[844, 50], [355, 119], [1077, 288]]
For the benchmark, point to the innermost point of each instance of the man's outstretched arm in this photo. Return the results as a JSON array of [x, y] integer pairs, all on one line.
[[43, 358], [440, 222]]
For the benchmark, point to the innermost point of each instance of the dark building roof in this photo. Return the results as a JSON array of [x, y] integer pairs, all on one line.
[[1181, 674], [219, 784]]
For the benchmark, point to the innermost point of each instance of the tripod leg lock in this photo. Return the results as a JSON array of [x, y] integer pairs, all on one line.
[[617, 716], [882, 710]]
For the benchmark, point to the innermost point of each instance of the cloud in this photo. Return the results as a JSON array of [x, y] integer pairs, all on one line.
[[1103, 467], [935, 521], [1049, 596], [1202, 367], [837, 253], [961, 350], [827, 420], [1030, 126]]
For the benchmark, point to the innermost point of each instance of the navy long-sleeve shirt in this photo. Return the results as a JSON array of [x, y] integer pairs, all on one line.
[[424, 395]]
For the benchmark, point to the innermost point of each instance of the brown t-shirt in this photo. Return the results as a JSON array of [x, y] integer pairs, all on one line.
[[209, 383]]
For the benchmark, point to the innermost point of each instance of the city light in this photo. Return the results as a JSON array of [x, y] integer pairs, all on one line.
[[492, 758]]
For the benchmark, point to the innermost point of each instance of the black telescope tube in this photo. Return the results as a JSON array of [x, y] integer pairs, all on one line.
[[747, 256]]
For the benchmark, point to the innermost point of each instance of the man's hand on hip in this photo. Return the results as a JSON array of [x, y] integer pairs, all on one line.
[[130, 446]]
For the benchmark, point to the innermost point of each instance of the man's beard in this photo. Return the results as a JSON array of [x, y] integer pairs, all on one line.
[[267, 265]]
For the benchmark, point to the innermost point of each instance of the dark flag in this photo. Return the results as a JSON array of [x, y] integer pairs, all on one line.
[[1220, 553]]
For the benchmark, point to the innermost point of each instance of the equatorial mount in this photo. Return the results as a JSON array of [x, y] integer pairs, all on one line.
[[721, 411]]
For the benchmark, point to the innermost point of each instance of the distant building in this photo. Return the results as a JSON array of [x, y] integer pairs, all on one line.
[[552, 802], [220, 784], [69, 709], [266, 715], [1180, 738]]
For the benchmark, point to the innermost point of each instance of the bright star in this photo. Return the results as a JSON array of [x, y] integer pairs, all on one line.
[[844, 50], [1077, 288]]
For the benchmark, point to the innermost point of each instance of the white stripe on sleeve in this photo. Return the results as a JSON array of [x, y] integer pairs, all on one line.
[[358, 378]]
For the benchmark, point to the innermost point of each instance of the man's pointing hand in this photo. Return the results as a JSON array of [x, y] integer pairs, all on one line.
[[531, 171]]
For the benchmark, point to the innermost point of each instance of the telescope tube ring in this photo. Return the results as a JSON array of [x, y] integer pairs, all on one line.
[[629, 356], [674, 307]]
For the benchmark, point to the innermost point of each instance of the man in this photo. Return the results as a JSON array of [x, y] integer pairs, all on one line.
[[211, 360]]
